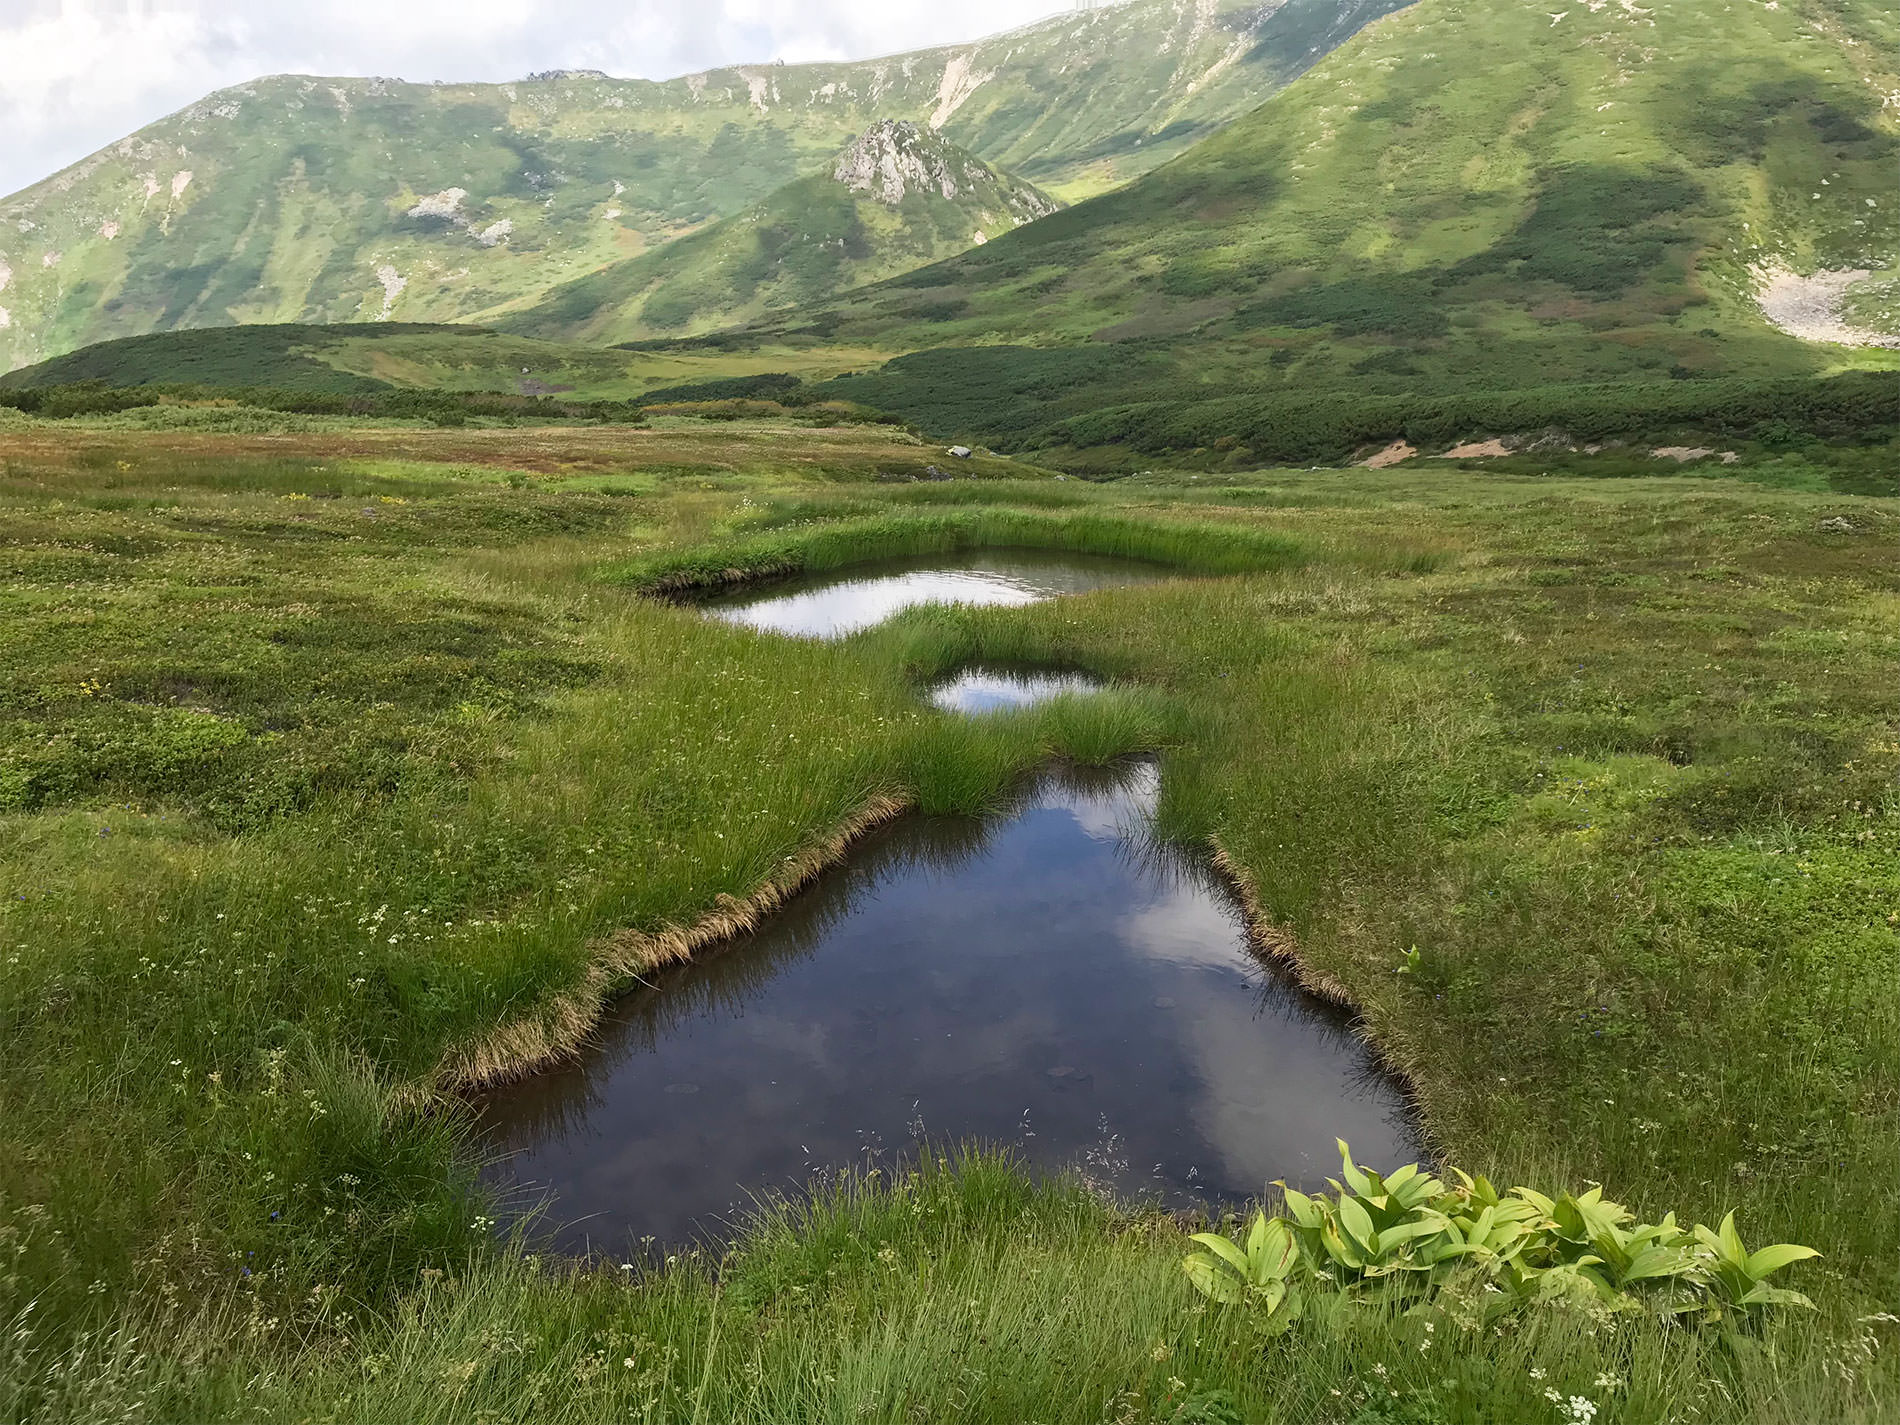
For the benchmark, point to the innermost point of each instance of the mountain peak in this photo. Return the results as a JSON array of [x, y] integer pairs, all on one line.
[[895, 158], [286, 199], [897, 197]]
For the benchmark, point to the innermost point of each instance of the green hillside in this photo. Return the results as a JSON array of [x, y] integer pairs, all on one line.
[[1469, 198], [897, 198], [300, 199], [1472, 194], [285, 357], [383, 356]]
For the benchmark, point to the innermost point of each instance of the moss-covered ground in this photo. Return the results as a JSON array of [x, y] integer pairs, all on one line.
[[326, 756]]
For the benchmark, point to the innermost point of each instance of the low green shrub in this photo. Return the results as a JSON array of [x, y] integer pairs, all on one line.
[[791, 406], [766, 386], [1207, 549], [446, 408], [1405, 1239], [1135, 397], [1277, 426]]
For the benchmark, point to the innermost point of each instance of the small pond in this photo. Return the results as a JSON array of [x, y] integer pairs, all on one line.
[[1049, 979], [843, 601], [986, 690]]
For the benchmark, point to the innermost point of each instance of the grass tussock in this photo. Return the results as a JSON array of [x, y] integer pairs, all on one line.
[[1201, 549]]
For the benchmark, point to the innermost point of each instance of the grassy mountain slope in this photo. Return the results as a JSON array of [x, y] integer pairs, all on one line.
[[340, 360], [897, 198], [305, 199], [1471, 194]]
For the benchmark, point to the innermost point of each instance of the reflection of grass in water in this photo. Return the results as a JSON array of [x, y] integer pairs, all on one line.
[[724, 978]]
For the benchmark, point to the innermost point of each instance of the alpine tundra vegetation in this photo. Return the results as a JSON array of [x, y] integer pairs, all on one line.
[[1482, 420]]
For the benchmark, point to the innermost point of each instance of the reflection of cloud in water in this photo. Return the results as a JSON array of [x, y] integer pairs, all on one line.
[[843, 601], [985, 690], [1264, 1053], [1109, 808], [859, 603], [1184, 925], [1053, 961]]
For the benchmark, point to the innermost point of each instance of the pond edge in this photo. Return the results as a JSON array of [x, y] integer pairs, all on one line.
[[556, 1031], [1278, 945]]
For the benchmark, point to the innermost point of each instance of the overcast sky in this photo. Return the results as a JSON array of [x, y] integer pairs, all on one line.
[[77, 74]]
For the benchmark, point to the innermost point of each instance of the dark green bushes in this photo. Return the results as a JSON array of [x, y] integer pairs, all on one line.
[[245, 356], [92, 398], [997, 394], [1400, 304], [1596, 230], [1137, 395], [1296, 428], [767, 386], [82, 398]]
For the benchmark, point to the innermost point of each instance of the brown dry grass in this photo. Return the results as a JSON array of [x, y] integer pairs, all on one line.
[[559, 1028]]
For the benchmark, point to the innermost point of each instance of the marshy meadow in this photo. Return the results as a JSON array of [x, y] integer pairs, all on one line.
[[367, 788]]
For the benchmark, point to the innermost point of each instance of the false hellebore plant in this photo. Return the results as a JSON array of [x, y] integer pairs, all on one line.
[[1399, 1238]]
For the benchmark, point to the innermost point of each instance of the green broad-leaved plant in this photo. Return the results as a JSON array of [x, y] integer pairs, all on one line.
[[1397, 1238], [1259, 1272], [1738, 1277]]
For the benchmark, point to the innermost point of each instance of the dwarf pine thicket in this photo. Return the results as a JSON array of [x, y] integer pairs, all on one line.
[[329, 759]]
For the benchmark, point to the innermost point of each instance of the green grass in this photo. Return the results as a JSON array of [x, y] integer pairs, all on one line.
[[959, 1292], [311, 790], [1198, 548]]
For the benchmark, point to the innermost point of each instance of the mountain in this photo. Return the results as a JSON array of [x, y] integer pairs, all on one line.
[[299, 199], [1470, 194], [897, 198]]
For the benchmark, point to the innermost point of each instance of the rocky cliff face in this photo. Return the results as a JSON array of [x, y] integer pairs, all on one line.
[[897, 158], [897, 197]]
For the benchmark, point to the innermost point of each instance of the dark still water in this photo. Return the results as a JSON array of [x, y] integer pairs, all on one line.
[[845, 600], [1049, 979]]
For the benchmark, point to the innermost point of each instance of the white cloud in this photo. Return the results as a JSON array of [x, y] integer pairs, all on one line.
[[77, 74]]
